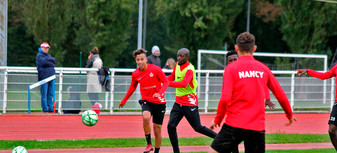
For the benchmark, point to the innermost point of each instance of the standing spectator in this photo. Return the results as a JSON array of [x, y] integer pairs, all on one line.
[[154, 57], [93, 85], [183, 78], [45, 67], [245, 116]]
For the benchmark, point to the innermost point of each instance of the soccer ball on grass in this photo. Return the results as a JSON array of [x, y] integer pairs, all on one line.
[[19, 149], [89, 118]]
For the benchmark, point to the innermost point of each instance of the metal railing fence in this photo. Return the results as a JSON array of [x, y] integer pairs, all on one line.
[[303, 93]]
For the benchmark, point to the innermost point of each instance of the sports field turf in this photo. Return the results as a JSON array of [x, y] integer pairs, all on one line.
[[139, 142]]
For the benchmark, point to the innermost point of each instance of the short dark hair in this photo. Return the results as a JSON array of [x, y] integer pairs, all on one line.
[[245, 42], [232, 52], [138, 52], [95, 50]]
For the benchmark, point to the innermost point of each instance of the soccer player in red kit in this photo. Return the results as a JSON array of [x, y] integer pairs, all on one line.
[[183, 78], [242, 100], [332, 120], [153, 84]]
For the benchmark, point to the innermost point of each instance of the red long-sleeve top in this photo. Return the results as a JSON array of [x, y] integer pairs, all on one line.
[[243, 93], [152, 80], [186, 100], [324, 75]]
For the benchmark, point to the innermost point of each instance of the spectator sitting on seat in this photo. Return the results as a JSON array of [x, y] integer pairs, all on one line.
[[73, 104]]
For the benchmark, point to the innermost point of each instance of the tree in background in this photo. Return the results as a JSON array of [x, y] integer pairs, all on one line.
[[109, 24], [201, 24], [48, 21], [307, 25], [21, 47], [72, 27]]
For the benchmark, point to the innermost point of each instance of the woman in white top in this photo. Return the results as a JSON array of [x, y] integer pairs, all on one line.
[[93, 85]]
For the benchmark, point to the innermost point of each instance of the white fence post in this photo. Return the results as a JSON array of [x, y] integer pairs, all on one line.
[[106, 100], [4, 104], [112, 83], [292, 91], [206, 92], [60, 91]]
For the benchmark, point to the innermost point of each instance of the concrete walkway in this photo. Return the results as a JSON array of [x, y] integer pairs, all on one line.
[[168, 149]]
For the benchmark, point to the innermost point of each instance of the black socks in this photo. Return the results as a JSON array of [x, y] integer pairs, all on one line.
[[156, 150], [148, 138]]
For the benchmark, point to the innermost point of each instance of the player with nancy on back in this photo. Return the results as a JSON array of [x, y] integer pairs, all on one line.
[[153, 83], [242, 101]]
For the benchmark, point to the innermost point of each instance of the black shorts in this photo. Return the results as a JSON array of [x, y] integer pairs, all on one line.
[[333, 115], [156, 110], [230, 137]]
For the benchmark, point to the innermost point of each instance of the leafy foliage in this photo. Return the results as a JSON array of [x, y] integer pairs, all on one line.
[[306, 25], [71, 27], [200, 24]]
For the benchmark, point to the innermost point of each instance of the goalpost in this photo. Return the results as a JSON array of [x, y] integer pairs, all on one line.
[[263, 54], [216, 60]]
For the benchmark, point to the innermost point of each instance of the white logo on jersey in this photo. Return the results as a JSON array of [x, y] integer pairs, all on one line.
[[192, 99], [251, 74], [193, 109], [151, 74], [161, 99], [332, 118]]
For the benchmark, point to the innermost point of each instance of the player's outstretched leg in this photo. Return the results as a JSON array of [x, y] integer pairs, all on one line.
[[175, 118], [333, 135], [158, 138], [193, 117], [147, 130], [211, 150]]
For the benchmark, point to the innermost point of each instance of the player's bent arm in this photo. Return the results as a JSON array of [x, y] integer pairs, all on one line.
[[301, 72], [182, 84], [164, 80], [226, 95], [320, 75], [132, 88], [221, 111], [213, 125], [291, 121], [280, 95], [270, 104]]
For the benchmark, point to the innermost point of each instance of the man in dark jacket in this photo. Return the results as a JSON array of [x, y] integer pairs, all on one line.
[[154, 57], [45, 67]]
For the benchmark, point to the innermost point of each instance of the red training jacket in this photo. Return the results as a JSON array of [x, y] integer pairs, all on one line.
[[243, 93], [150, 82], [326, 75]]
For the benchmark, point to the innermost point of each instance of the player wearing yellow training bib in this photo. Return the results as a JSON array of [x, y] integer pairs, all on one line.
[[183, 78]]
